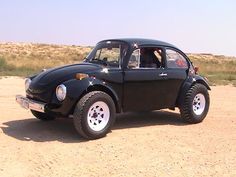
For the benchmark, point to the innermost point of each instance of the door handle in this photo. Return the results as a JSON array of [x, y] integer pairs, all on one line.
[[162, 74]]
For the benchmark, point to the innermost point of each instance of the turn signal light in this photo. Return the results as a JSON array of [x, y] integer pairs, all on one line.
[[80, 76]]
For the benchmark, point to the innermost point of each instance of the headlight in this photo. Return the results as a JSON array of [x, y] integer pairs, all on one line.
[[27, 83], [61, 92]]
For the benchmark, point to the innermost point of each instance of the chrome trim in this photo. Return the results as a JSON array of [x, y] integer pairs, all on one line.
[[30, 104], [27, 83], [163, 74], [63, 87]]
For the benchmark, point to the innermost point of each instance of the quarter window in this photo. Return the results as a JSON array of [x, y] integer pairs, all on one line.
[[175, 59]]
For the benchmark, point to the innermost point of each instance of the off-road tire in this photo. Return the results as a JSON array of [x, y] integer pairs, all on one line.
[[42, 116], [81, 114], [186, 108]]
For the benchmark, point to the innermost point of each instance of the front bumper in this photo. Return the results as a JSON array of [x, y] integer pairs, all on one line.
[[30, 104]]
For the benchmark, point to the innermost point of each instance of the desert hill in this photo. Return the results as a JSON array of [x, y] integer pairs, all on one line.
[[22, 59]]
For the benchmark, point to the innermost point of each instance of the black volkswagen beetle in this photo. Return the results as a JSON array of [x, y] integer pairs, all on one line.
[[119, 75]]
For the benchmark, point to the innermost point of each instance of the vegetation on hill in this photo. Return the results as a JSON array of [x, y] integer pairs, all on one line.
[[21, 59], [219, 70]]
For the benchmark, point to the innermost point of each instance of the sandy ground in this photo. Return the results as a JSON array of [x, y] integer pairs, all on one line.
[[153, 144]]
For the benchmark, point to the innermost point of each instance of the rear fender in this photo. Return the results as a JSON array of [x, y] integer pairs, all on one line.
[[201, 80], [189, 82]]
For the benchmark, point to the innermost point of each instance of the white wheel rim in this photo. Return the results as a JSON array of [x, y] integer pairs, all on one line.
[[199, 103], [98, 116]]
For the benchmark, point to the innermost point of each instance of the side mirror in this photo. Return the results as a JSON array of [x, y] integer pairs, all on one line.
[[196, 69]]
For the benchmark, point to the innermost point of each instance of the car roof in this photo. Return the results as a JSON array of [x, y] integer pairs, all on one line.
[[142, 41]]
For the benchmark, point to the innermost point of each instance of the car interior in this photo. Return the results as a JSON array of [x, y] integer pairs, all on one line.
[[146, 57]]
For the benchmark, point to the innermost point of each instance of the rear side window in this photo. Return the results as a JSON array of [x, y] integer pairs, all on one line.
[[175, 60]]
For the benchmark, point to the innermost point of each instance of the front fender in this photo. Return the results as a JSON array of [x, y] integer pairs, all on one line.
[[76, 89]]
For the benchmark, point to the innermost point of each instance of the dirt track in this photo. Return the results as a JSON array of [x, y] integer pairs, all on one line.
[[153, 144]]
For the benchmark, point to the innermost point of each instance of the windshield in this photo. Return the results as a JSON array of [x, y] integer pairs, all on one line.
[[108, 53]]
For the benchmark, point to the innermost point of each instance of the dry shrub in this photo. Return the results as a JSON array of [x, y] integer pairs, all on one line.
[[27, 58]]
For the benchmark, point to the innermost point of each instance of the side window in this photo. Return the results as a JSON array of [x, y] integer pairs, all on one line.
[[134, 60], [151, 57], [175, 60], [146, 57]]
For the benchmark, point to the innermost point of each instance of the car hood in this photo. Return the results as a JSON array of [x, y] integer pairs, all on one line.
[[55, 76]]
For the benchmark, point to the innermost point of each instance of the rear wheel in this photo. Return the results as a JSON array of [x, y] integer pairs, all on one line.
[[94, 115], [196, 104], [42, 116]]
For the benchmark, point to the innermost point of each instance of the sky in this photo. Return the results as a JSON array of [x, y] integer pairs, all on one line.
[[202, 26]]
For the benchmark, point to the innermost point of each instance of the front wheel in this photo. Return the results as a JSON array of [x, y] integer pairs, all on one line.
[[196, 104], [94, 115]]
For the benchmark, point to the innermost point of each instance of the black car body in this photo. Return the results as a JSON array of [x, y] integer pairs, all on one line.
[[137, 74]]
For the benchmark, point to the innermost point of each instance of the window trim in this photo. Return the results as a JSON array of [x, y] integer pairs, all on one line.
[[138, 49], [122, 44]]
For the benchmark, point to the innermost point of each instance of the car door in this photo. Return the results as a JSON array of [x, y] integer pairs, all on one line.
[[176, 68], [151, 88], [144, 87]]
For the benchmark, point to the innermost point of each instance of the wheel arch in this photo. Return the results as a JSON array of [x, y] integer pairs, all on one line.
[[76, 89], [107, 90], [202, 81], [187, 85]]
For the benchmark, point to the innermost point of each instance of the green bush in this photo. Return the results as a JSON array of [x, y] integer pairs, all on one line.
[[3, 64]]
